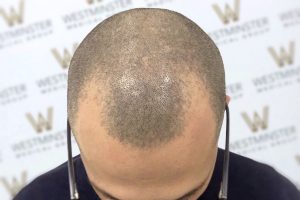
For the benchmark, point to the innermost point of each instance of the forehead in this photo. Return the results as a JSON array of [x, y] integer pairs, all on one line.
[[129, 175]]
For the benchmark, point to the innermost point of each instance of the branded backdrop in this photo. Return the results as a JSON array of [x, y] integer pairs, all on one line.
[[259, 42]]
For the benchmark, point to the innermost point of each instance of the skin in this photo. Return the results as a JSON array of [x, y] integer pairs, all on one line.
[[167, 172]]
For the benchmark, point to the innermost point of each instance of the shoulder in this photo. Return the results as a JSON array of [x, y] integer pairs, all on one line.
[[254, 180], [52, 185]]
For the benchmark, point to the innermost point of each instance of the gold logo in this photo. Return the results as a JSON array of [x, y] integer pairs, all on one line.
[[41, 122], [92, 1], [284, 56], [257, 122], [228, 13], [64, 58], [13, 17], [15, 185]]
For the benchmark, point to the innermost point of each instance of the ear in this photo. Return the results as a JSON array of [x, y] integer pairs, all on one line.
[[227, 99]]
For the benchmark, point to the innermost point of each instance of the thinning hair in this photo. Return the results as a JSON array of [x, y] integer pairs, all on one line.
[[140, 57]]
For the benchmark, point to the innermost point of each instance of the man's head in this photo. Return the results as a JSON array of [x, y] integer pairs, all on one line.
[[146, 98]]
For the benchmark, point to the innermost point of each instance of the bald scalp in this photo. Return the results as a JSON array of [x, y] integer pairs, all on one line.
[[141, 58]]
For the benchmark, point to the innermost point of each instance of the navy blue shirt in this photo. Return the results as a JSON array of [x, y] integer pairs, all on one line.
[[248, 180]]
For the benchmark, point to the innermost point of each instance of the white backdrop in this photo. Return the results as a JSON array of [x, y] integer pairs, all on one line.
[[259, 42]]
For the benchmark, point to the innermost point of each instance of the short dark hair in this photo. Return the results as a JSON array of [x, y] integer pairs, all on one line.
[[140, 57]]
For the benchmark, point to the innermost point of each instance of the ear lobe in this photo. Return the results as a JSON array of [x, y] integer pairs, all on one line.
[[227, 99]]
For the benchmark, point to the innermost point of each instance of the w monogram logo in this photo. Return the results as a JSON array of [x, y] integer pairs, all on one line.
[[283, 56], [64, 58], [92, 1], [14, 185], [41, 123], [13, 16], [257, 121], [228, 13]]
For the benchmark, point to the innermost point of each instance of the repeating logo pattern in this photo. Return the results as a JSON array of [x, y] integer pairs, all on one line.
[[259, 46]]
